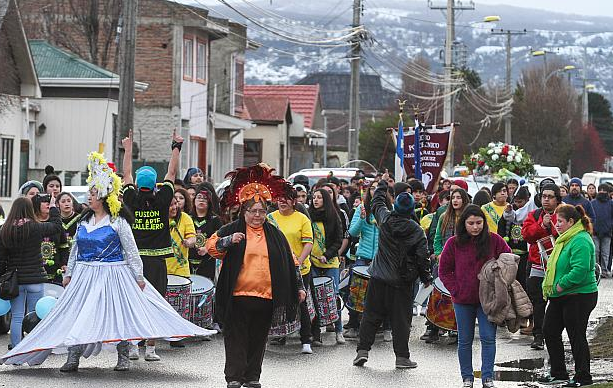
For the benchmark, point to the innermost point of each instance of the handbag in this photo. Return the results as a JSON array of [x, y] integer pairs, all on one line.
[[9, 285]]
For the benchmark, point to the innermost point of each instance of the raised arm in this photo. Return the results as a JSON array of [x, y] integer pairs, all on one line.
[[173, 165], [127, 142]]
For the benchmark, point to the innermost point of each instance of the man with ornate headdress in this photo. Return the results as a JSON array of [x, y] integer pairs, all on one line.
[[259, 286], [107, 300]]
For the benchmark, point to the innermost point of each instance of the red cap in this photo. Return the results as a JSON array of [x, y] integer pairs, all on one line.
[[462, 183]]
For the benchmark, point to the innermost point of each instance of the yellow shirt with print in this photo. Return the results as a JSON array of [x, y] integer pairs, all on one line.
[[319, 247], [297, 230], [493, 213], [179, 263]]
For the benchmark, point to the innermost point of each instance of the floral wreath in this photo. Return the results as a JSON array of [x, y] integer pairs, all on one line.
[[105, 181], [256, 182], [501, 160]]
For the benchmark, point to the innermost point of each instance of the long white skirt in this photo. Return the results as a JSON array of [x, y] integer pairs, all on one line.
[[102, 305]]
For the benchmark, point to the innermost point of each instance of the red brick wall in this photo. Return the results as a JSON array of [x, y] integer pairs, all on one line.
[[10, 82]]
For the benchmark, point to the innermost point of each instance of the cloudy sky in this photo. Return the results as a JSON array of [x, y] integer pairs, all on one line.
[[583, 7]]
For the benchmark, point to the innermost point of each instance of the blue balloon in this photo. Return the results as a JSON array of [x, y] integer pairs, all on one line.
[[5, 306], [44, 306]]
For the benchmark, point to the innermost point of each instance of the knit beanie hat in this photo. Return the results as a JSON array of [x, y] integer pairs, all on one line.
[[404, 204], [191, 172], [23, 189], [577, 181], [522, 193], [146, 177], [497, 187], [50, 176]]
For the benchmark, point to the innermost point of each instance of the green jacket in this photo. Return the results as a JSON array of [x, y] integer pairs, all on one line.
[[575, 269]]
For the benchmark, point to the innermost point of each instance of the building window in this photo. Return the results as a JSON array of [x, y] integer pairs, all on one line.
[[188, 58], [253, 152], [201, 62], [239, 86], [6, 167]]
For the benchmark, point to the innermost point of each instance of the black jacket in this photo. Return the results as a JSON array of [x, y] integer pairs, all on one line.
[[403, 249], [26, 256]]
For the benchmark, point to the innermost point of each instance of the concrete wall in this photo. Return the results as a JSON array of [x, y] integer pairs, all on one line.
[[272, 137], [154, 126], [12, 120], [74, 128]]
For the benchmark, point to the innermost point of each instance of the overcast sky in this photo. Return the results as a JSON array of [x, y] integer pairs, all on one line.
[[582, 7]]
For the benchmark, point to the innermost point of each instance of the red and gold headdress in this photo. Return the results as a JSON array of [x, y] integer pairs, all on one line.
[[256, 182]]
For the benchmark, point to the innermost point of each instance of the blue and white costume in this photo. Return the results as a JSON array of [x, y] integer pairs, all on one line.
[[103, 303]]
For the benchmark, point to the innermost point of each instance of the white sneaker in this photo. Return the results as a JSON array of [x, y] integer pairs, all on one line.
[[387, 335], [134, 355], [150, 354], [216, 327], [306, 349], [340, 339]]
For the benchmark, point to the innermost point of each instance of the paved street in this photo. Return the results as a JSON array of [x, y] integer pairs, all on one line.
[[201, 364]]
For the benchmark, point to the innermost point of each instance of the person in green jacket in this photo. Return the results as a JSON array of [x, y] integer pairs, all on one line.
[[571, 288]]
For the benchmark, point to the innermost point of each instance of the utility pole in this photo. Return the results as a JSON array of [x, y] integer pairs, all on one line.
[[354, 96], [450, 9], [508, 89], [127, 44], [584, 99]]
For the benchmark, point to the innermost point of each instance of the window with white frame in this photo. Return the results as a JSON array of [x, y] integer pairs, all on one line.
[[188, 58], [201, 61]]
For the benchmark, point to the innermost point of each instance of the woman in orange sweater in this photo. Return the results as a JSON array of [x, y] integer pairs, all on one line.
[[259, 284]]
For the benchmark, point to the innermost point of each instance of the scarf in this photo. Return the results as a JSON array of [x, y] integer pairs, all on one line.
[[561, 241], [282, 273]]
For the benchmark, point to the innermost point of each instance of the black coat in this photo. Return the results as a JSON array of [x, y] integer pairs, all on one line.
[[25, 256], [402, 256]]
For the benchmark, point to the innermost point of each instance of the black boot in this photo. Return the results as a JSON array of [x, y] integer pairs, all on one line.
[[72, 363], [537, 343], [123, 356]]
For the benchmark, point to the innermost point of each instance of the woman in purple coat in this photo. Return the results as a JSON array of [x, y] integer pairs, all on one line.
[[460, 263]]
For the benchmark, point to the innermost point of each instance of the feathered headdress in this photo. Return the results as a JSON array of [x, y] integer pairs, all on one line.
[[256, 182], [104, 180]]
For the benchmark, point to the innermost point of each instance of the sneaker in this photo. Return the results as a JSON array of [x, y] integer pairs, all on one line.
[[134, 353], [253, 384], [361, 358], [351, 333], [537, 343], [10, 347], [278, 341], [387, 335], [235, 384], [216, 327], [150, 354], [306, 349], [405, 363], [488, 383], [574, 383], [433, 337], [415, 313], [425, 335], [316, 343], [550, 380], [467, 383], [330, 328], [340, 339]]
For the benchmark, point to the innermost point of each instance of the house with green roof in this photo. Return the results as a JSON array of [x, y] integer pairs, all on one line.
[[77, 110]]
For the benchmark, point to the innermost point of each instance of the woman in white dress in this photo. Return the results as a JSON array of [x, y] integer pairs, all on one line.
[[107, 300]]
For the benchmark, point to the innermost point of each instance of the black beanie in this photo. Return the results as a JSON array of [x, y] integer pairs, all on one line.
[[522, 193]]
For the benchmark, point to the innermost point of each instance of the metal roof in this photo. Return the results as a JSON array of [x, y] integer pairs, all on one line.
[[53, 62]]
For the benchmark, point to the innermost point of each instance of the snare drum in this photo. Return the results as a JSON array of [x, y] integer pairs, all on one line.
[[177, 294], [357, 288], [326, 301], [285, 330], [202, 289], [440, 310]]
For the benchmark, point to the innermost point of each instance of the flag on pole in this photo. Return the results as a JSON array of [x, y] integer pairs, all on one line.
[[399, 140], [417, 149]]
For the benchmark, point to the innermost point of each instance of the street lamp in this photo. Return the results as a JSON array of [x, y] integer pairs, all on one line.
[[491, 19], [566, 68]]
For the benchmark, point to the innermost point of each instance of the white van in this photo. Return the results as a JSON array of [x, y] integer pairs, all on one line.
[[552, 172], [597, 178]]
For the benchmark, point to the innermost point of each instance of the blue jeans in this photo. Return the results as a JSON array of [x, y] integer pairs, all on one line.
[[335, 274], [29, 294], [466, 314]]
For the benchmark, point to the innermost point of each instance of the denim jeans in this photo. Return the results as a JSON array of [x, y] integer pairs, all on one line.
[[29, 294], [602, 247], [335, 274], [466, 314]]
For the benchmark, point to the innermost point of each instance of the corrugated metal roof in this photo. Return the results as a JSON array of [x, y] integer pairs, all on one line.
[[53, 62], [303, 98]]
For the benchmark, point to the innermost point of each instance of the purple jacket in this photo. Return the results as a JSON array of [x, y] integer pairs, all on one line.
[[459, 267]]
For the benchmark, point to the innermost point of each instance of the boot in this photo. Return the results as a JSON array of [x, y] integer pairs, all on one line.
[[123, 356], [537, 343], [72, 363]]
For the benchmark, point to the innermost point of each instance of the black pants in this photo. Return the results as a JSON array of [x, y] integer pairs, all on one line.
[[522, 270], [154, 270], [385, 300], [245, 335], [571, 312], [535, 292], [305, 318]]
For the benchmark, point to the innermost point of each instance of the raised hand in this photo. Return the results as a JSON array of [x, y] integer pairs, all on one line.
[[176, 137], [127, 142]]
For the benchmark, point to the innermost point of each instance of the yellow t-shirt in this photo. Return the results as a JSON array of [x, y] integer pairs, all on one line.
[[319, 247], [297, 230], [493, 213], [179, 263]]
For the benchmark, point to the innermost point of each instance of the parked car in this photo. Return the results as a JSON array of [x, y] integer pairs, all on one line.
[[315, 174], [597, 178], [552, 172], [79, 192]]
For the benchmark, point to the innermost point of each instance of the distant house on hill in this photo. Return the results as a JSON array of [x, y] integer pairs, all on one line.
[[375, 102]]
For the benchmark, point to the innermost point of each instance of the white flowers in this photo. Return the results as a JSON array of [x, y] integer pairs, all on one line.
[[495, 157], [509, 158], [491, 145], [490, 151], [518, 158]]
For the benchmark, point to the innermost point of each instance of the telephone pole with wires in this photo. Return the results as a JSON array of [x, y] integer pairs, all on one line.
[[354, 87], [509, 34]]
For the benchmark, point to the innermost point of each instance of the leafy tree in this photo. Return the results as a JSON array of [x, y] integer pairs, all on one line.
[[602, 119], [589, 152]]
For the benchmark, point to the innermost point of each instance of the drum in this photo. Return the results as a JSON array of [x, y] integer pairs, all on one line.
[[310, 304], [52, 289], [440, 308], [285, 330], [202, 290], [357, 288], [326, 300], [177, 294]]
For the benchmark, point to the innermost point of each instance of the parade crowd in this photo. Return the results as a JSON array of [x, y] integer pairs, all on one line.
[[149, 260]]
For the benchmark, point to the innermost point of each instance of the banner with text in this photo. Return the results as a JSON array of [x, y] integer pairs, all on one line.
[[434, 142]]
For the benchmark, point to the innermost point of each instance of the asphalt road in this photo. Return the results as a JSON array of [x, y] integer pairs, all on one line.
[[200, 364]]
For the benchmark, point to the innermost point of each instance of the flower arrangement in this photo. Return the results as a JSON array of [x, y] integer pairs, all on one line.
[[499, 159]]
